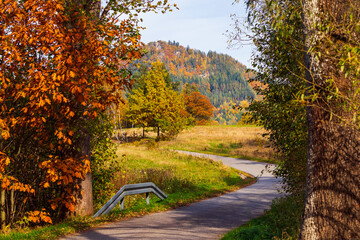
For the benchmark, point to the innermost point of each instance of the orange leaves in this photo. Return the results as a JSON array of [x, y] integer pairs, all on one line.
[[5, 183], [53, 79], [4, 162], [11, 183], [198, 105], [64, 172], [39, 216], [72, 74]]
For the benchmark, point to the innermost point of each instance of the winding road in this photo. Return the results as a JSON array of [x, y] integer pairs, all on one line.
[[208, 219]]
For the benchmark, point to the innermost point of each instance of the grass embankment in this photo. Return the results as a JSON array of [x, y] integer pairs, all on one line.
[[282, 221], [185, 179], [244, 142]]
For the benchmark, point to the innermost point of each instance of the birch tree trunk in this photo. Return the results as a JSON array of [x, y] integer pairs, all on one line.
[[332, 196]]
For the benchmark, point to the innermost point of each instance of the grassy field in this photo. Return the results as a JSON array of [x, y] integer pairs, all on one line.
[[244, 142], [185, 179]]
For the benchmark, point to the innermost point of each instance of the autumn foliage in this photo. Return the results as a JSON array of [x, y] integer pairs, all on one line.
[[198, 106], [155, 105], [58, 70]]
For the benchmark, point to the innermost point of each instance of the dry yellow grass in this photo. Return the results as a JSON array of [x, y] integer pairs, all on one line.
[[240, 141]]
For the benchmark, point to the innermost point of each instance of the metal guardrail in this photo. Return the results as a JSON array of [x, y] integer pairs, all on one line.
[[130, 189]]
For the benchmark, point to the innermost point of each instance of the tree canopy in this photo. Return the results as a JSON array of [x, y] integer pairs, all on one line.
[[154, 103]]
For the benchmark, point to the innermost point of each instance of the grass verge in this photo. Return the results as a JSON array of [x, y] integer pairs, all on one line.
[[185, 179], [282, 221]]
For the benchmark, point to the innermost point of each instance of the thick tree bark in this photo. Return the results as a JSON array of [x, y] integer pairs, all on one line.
[[84, 205], [332, 202]]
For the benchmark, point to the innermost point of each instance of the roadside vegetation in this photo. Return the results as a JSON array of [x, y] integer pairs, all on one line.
[[185, 179], [282, 221]]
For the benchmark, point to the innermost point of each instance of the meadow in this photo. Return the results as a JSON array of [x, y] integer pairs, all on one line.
[[241, 141]]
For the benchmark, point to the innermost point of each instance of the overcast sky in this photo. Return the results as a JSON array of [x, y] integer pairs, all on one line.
[[200, 24]]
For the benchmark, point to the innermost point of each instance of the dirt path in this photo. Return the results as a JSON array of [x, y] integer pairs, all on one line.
[[208, 219]]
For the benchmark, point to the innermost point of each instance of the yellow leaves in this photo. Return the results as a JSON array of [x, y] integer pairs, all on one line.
[[46, 185], [7, 161], [72, 74], [5, 134], [4, 161], [41, 103]]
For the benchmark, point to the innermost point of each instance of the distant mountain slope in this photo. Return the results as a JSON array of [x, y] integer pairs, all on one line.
[[218, 76]]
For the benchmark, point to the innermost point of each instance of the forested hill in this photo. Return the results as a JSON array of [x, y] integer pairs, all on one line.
[[218, 76]]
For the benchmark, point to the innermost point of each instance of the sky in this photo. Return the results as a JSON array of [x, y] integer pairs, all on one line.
[[199, 24]]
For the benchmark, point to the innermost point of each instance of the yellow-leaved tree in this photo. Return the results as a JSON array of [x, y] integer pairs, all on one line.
[[155, 104]]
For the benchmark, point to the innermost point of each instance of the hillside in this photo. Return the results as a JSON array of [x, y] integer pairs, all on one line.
[[218, 76]]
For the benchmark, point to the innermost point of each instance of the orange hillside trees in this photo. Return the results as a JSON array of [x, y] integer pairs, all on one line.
[[61, 65], [154, 104]]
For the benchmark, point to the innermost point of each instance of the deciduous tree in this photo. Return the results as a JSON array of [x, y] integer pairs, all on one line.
[[197, 105], [62, 63], [155, 104]]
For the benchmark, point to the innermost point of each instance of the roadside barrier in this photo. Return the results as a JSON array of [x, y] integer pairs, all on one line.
[[130, 189]]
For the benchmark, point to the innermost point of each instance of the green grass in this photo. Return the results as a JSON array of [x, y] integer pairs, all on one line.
[[282, 221], [185, 179]]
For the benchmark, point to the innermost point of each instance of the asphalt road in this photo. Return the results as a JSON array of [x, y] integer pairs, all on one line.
[[208, 219]]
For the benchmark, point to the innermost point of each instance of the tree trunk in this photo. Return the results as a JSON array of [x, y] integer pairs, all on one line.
[[332, 202], [84, 205], [3, 207]]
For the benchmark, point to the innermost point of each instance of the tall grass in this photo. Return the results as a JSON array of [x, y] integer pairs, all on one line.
[[236, 141]]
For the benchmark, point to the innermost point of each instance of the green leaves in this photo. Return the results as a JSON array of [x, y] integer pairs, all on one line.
[[277, 34], [155, 104]]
